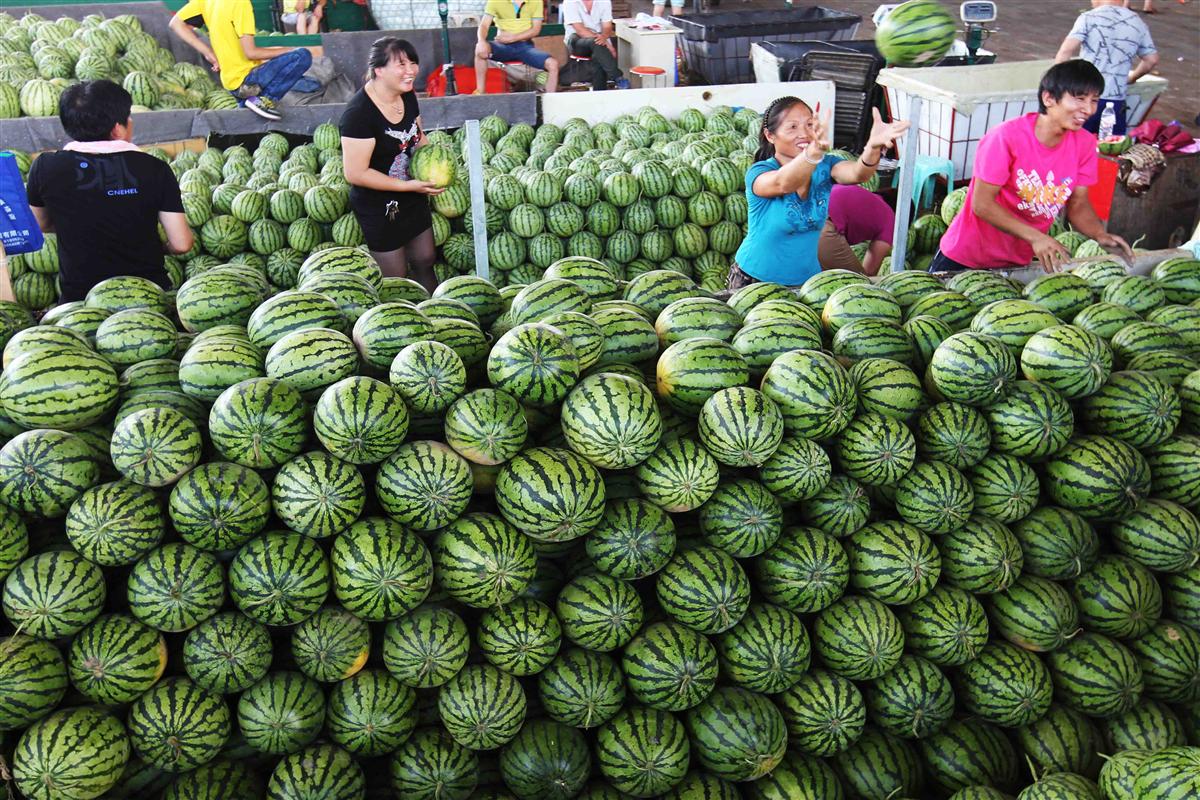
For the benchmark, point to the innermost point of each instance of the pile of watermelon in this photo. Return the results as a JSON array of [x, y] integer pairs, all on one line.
[[298, 530], [39, 58]]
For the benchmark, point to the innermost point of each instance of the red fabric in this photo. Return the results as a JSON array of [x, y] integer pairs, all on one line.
[[1101, 195], [1167, 138], [495, 82]]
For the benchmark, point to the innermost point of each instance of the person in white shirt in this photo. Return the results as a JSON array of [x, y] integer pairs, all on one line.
[[589, 33]]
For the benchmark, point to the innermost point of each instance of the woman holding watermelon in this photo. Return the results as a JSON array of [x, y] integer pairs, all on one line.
[[381, 130], [788, 190]]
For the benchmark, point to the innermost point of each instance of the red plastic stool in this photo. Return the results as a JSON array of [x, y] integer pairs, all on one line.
[[650, 77]]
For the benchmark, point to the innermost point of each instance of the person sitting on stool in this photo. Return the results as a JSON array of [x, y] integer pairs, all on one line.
[[517, 24], [856, 215], [589, 34]]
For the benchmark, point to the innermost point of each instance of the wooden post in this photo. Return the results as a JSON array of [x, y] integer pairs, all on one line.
[[908, 161], [478, 215]]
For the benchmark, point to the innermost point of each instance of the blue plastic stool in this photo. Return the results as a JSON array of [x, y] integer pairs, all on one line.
[[927, 168]]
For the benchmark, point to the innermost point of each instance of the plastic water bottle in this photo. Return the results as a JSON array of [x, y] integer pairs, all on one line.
[[1108, 121]]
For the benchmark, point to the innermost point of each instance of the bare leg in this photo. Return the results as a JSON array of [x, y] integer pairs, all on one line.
[[420, 255], [551, 75], [482, 53], [392, 263]]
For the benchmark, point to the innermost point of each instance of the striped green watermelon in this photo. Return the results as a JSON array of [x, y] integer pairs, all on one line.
[[972, 368], [219, 506], [913, 700], [875, 450], [486, 426], [53, 594], [767, 651], [1032, 421], [77, 752], [742, 518], [314, 770], [634, 539], [424, 485], [581, 688], [612, 421], [115, 523], [1118, 597], [1098, 477], [259, 422], [360, 420], [483, 561], [680, 475], [880, 765], [66, 388], [175, 587], [1159, 534], [386, 329], [177, 726], [643, 751], [704, 588], [521, 637], [1005, 685], [1057, 544], [1168, 774], [227, 653], [115, 659], [482, 707], [425, 647], [535, 363], [281, 713], [823, 712], [371, 713], [916, 33], [551, 494], [971, 753], [934, 497], [1063, 740], [380, 570], [546, 761], [428, 375], [33, 680], [312, 360], [1169, 658], [1096, 675], [1139, 408], [1035, 613], [279, 578], [318, 495], [1005, 487], [599, 612], [858, 638], [805, 571], [813, 392], [892, 562], [947, 626], [953, 433], [331, 645], [737, 734]]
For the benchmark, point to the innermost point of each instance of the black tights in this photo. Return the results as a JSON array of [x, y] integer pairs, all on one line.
[[416, 257]]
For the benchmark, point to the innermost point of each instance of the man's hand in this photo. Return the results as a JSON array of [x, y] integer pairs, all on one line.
[[1117, 246], [503, 37], [1050, 252], [483, 50]]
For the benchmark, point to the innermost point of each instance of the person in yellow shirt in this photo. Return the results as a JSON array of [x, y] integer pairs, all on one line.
[[518, 22], [257, 76]]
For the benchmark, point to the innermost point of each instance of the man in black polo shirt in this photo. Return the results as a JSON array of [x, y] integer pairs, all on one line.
[[103, 196]]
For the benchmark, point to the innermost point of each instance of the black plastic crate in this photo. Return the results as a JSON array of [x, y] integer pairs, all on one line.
[[716, 47]]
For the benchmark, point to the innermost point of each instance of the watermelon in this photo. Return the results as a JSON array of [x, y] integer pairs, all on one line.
[[279, 578], [175, 587], [545, 760], [425, 647], [581, 688], [643, 752], [227, 653], [80, 752], [177, 726], [33, 677], [115, 659], [281, 713], [314, 769]]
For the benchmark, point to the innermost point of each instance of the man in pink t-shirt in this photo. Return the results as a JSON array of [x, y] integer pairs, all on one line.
[[856, 215], [1027, 170]]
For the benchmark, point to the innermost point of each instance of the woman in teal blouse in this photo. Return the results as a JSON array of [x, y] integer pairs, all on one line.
[[788, 191]]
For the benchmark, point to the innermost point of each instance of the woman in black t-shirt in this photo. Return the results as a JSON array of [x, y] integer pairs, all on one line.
[[381, 129]]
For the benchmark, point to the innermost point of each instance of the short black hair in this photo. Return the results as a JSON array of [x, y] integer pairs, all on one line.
[[1076, 77], [90, 109], [385, 49]]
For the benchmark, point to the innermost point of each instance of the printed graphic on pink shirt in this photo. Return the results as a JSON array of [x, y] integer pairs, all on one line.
[[1042, 198]]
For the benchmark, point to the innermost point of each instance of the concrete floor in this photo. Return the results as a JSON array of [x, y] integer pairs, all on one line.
[[1034, 29]]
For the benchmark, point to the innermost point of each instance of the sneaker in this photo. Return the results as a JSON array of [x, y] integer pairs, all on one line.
[[263, 107], [622, 83], [306, 85]]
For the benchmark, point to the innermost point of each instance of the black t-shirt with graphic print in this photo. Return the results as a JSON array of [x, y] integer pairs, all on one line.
[[105, 212], [394, 146]]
